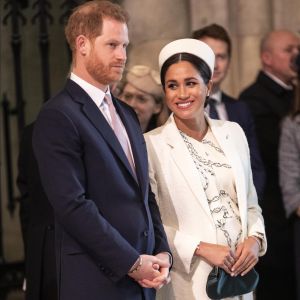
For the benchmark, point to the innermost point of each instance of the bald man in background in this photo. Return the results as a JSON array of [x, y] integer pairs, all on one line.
[[269, 98]]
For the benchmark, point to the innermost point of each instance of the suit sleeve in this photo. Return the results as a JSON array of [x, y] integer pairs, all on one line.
[[161, 242], [59, 151], [257, 165]]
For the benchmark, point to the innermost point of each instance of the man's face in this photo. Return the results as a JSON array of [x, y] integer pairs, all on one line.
[[106, 57], [282, 47], [222, 60]]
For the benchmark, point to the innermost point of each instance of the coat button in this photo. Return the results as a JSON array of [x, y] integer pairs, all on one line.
[[145, 233]]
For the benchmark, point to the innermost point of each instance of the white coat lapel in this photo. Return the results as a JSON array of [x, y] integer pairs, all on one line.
[[223, 132], [181, 157]]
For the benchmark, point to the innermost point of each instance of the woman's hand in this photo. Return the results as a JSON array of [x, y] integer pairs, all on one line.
[[217, 255], [247, 256]]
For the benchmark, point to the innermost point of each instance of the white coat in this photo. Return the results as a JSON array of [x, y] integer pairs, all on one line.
[[183, 204]]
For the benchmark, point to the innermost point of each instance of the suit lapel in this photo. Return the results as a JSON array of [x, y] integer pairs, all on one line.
[[182, 158], [92, 112], [134, 131]]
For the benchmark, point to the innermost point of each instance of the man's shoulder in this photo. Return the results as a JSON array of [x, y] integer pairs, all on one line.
[[233, 103], [67, 97], [227, 98], [250, 91], [262, 87]]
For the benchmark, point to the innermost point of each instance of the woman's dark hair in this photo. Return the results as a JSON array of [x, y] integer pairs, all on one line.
[[200, 65]]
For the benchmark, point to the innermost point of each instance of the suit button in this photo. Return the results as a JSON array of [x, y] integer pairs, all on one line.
[[145, 233]]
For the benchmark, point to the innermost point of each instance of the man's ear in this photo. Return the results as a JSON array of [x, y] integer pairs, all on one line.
[[266, 58], [82, 45]]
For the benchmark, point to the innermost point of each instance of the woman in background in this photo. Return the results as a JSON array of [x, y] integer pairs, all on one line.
[[289, 167], [142, 91], [200, 173]]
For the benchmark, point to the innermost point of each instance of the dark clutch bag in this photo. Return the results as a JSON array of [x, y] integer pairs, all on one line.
[[221, 285]]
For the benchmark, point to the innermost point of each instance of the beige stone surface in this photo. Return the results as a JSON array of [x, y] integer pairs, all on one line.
[[248, 59], [286, 14], [204, 12], [146, 53], [252, 17], [156, 19]]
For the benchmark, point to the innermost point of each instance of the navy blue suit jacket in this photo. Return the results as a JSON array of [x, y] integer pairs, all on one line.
[[104, 217], [238, 112]]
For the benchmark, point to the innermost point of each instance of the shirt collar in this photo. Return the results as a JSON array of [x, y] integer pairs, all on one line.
[[278, 81], [95, 93], [217, 96]]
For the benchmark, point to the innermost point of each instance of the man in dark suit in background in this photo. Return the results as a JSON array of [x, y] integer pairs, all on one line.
[[110, 242], [269, 99], [37, 223], [224, 107]]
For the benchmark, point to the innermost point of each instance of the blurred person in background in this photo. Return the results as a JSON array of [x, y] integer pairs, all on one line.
[[143, 92], [269, 99], [289, 168], [37, 224]]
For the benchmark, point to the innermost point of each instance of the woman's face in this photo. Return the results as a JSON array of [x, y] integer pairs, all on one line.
[[143, 103], [185, 91]]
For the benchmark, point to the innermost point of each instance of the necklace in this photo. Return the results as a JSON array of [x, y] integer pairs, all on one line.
[[195, 129]]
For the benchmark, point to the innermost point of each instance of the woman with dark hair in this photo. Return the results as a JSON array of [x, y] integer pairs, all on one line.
[[201, 175], [289, 167]]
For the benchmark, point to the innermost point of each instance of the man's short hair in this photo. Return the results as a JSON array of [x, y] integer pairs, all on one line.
[[214, 31], [87, 19]]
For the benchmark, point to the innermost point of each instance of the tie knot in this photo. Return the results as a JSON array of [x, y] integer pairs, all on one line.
[[212, 101], [108, 99]]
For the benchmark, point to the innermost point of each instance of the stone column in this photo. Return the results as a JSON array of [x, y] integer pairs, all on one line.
[[156, 19], [253, 19], [286, 15], [205, 12], [153, 23]]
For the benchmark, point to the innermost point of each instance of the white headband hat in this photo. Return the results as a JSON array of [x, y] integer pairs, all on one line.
[[191, 46]]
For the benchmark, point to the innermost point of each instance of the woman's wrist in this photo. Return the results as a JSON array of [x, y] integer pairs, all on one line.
[[197, 249], [258, 241]]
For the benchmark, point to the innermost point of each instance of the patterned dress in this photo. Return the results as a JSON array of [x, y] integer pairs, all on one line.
[[218, 183]]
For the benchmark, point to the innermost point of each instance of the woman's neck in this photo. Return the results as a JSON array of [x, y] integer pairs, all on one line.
[[196, 128]]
